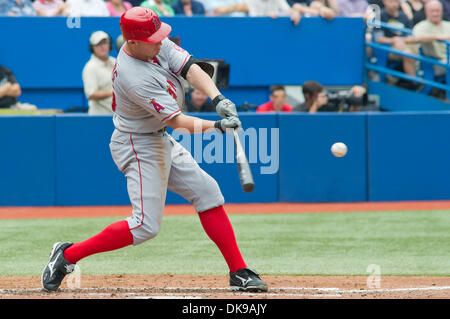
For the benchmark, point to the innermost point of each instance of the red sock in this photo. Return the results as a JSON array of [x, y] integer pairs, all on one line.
[[217, 226], [115, 236]]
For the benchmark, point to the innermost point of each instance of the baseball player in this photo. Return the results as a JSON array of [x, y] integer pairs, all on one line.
[[147, 97]]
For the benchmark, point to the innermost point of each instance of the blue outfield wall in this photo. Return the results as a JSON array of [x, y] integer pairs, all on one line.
[[409, 156], [222, 164], [261, 52], [308, 170], [27, 161], [85, 172], [64, 160], [87, 175]]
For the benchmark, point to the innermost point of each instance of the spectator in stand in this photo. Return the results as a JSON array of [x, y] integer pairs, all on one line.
[[188, 8], [9, 92], [97, 74], [198, 102], [446, 9], [391, 14], [86, 8], [417, 10], [327, 9], [261, 8], [161, 8], [136, 3], [9, 88], [429, 31], [353, 8], [302, 7], [301, 2], [403, 7], [277, 101], [376, 2], [117, 7], [314, 96], [169, 2], [49, 8], [16, 8], [211, 5]]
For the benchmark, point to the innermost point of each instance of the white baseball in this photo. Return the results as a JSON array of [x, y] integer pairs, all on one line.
[[339, 149]]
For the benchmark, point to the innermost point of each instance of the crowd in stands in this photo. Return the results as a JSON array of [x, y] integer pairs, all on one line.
[[425, 21], [315, 99], [412, 9], [428, 20]]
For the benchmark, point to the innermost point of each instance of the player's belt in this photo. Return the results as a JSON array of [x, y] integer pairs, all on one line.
[[163, 130]]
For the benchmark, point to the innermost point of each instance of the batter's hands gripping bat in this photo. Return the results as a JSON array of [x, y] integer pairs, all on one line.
[[245, 175]]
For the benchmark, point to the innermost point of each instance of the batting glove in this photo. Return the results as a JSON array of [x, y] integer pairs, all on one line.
[[224, 107], [229, 122]]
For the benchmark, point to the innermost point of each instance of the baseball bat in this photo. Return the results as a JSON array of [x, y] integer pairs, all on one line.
[[245, 174]]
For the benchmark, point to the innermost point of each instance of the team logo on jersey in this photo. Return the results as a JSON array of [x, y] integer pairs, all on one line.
[[172, 90], [158, 107]]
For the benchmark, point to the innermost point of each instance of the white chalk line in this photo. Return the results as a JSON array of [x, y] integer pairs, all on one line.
[[203, 297], [202, 290], [182, 295]]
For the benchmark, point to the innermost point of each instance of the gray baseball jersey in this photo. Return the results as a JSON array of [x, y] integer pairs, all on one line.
[[146, 95]]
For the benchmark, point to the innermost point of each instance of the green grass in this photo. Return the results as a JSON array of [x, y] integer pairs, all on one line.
[[401, 243]]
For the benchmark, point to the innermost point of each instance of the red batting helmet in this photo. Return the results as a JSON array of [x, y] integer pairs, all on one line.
[[143, 24]]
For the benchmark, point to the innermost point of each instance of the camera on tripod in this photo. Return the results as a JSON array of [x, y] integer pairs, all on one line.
[[342, 100]]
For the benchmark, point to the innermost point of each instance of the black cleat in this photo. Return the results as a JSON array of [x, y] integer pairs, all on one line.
[[57, 268], [246, 279]]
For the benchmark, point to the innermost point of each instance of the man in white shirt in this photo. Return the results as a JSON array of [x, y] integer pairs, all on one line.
[[430, 31], [87, 8], [97, 74]]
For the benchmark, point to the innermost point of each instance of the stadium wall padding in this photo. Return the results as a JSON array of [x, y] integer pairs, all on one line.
[[308, 170], [27, 161], [47, 55], [409, 156], [64, 160]]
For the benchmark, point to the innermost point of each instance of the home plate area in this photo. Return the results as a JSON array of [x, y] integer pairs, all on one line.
[[215, 287]]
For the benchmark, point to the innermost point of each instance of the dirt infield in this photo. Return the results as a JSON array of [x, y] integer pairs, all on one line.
[[215, 287], [263, 208], [212, 287]]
